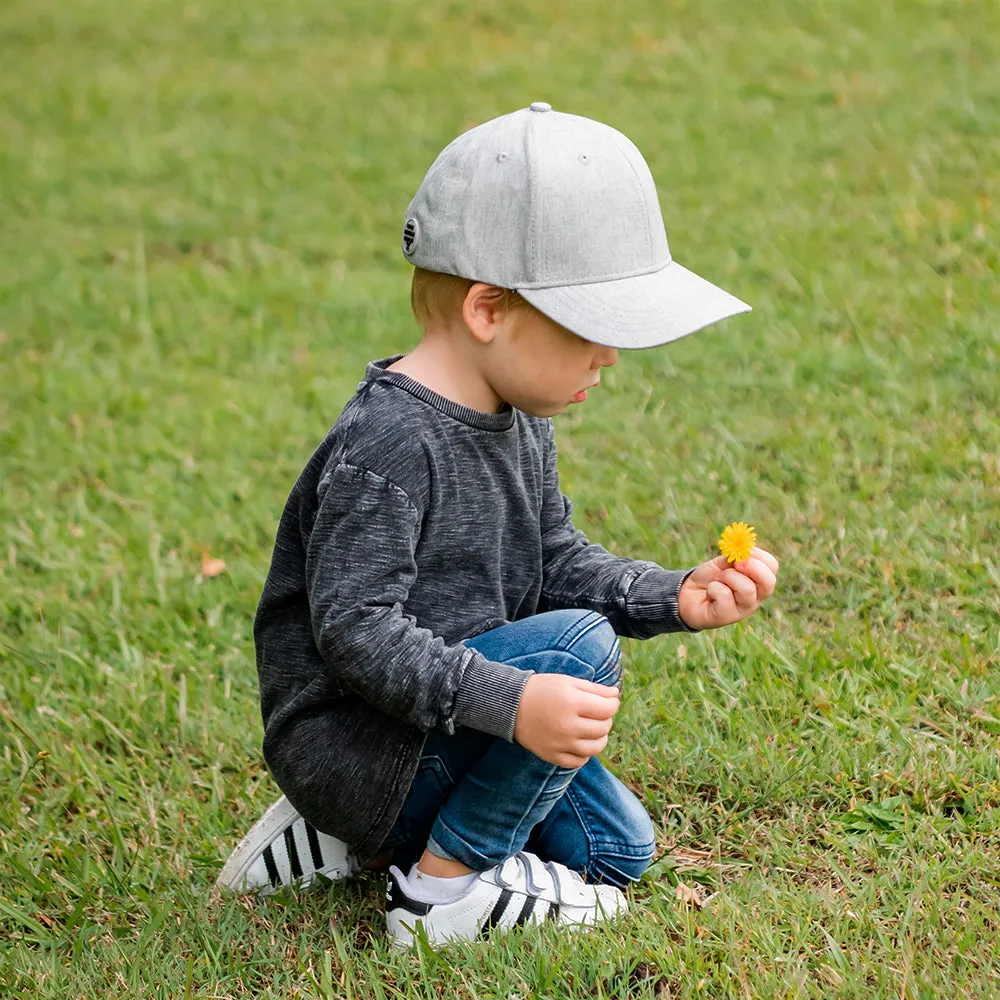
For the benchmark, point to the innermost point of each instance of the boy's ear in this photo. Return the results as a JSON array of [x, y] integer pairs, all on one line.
[[483, 310]]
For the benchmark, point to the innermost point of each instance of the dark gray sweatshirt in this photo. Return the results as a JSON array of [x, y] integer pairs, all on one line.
[[417, 523]]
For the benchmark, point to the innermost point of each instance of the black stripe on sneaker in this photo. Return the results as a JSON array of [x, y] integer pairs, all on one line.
[[498, 911], [395, 899], [314, 848], [293, 852], [526, 911], [272, 868], [553, 913]]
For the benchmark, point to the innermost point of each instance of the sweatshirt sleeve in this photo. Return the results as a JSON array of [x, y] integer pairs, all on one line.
[[638, 597], [360, 566]]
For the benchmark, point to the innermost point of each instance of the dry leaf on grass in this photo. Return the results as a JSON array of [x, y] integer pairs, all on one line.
[[210, 566], [690, 854], [692, 895]]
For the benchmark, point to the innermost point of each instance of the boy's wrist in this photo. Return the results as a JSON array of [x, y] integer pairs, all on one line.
[[652, 602], [489, 695]]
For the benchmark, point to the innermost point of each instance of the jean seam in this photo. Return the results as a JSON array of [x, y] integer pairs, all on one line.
[[520, 823], [601, 868], [588, 836], [604, 669], [467, 851], [613, 654], [440, 762], [599, 847], [579, 629], [514, 660], [435, 847], [607, 849]]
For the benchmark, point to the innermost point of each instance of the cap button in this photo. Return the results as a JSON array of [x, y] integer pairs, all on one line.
[[540, 106]]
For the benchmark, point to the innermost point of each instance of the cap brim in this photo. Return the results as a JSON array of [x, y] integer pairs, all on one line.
[[642, 311]]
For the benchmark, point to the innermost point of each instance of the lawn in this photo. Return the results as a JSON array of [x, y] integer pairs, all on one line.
[[200, 211]]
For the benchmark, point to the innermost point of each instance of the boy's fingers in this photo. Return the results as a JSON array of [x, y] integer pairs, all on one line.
[[766, 558], [590, 748], [602, 690], [744, 589], [563, 758], [593, 707], [761, 574], [722, 608], [762, 555], [718, 593], [592, 729]]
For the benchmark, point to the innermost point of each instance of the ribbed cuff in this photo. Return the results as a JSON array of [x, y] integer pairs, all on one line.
[[651, 602], [489, 695]]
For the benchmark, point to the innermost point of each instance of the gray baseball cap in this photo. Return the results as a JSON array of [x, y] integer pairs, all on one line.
[[564, 210]]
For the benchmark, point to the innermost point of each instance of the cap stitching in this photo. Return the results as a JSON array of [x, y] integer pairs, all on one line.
[[530, 150]]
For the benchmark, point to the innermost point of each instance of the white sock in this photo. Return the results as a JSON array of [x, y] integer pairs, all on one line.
[[433, 889]]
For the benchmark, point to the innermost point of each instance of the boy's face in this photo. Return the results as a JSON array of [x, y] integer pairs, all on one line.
[[540, 367]]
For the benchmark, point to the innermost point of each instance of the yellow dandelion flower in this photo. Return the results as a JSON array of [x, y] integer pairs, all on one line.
[[737, 541]]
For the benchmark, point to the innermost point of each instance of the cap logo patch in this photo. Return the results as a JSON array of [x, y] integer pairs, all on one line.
[[410, 231]]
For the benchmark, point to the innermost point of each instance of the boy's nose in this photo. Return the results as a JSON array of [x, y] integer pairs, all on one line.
[[609, 357]]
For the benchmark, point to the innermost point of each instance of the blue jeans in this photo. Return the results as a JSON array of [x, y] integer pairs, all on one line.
[[478, 799]]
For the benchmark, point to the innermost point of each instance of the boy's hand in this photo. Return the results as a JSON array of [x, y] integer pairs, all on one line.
[[719, 593], [563, 719]]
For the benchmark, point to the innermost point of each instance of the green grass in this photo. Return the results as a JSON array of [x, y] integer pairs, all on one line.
[[200, 208]]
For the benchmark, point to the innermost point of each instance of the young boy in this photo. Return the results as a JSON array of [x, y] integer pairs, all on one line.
[[436, 643]]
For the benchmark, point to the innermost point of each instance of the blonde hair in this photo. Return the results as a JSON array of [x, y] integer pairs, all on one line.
[[435, 295]]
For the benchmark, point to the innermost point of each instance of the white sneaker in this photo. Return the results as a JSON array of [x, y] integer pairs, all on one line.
[[283, 849], [522, 890]]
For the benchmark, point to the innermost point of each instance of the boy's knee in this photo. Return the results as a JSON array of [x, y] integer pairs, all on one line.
[[567, 641], [599, 646], [591, 640]]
